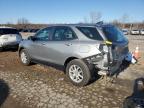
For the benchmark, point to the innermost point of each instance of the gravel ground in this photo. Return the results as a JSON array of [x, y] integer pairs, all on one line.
[[39, 86], [136, 70]]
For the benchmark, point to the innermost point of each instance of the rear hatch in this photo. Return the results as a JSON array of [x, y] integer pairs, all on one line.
[[119, 42], [9, 35]]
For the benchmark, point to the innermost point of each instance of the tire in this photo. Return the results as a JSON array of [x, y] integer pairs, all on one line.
[[1, 49], [84, 74], [25, 58]]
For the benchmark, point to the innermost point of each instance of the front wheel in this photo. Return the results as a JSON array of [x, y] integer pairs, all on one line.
[[78, 72], [24, 57]]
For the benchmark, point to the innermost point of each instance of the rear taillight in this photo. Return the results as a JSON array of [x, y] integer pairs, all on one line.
[[103, 48], [107, 51]]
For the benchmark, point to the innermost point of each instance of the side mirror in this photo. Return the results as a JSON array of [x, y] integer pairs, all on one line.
[[31, 38]]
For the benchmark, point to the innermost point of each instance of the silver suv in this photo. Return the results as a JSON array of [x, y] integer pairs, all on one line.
[[79, 48]]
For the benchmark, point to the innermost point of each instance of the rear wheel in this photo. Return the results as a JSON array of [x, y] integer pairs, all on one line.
[[24, 57], [78, 72]]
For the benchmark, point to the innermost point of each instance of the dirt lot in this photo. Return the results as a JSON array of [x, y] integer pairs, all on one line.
[[39, 86]]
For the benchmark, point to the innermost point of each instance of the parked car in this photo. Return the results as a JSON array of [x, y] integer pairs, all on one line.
[[135, 32], [19, 30], [142, 32], [9, 37], [81, 49], [34, 30], [125, 31]]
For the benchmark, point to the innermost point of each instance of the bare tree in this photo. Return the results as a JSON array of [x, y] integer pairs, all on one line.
[[124, 19], [9, 23], [116, 22], [95, 17], [85, 20], [22, 21]]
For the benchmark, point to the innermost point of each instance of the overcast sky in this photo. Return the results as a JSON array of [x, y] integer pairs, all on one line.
[[69, 11]]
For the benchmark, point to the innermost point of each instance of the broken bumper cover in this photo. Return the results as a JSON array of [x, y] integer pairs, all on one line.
[[104, 64], [113, 67], [99, 62], [110, 69]]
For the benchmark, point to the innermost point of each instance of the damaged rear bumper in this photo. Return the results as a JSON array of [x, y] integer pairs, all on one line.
[[105, 65]]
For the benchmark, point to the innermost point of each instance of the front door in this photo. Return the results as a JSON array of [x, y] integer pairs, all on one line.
[[38, 45]]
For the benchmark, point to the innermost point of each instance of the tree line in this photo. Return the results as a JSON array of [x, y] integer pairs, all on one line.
[[92, 18]]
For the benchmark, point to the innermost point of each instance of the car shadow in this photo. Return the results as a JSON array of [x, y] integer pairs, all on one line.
[[61, 68], [48, 64], [93, 70], [125, 64], [94, 74], [136, 100], [10, 49], [4, 91]]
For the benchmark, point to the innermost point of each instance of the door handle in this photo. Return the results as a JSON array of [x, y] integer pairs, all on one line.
[[68, 44], [43, 44]]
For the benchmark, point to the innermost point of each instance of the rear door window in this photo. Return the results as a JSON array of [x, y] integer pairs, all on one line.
[[113, 34], [90, 32], [63, 34], [4, 31]]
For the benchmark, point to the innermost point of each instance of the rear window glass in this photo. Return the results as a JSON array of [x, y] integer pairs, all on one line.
[[8, 31], [90, 32], [114, 34]]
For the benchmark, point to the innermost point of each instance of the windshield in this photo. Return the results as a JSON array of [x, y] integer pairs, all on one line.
[[90, 32], [4, 31], [113, 34]]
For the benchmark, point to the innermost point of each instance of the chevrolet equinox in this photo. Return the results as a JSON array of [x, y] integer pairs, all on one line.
[[79, 48]]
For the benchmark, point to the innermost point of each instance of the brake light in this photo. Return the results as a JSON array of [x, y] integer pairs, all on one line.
[[103, 48]]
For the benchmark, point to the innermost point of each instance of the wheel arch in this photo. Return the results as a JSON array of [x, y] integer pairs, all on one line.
[[68, 60], [19, 50]]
